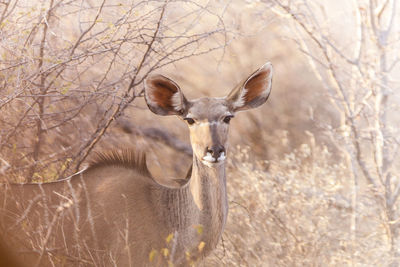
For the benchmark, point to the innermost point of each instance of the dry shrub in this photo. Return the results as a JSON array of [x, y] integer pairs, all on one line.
[[296, 211], [68, 71]]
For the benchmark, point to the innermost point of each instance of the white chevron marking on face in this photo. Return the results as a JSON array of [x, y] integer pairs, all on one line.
[[206, 123], [209, 158], [210, 161]]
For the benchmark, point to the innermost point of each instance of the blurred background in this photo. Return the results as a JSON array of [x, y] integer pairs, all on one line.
[[313, 175]]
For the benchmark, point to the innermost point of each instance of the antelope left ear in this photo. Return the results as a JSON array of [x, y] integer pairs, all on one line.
[[253, 92], [164, 97]]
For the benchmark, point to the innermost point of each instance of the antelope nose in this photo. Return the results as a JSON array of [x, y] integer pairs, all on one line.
[[217, 152]]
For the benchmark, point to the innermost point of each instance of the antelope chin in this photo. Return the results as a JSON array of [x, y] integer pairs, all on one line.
[[210, 161]]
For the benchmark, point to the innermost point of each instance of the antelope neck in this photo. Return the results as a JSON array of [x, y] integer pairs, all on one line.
[[203, 201], [207, 184]]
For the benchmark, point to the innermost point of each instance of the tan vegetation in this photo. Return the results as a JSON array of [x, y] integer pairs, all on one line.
[[313, 176]]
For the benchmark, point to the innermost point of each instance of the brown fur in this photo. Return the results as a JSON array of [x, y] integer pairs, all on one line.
[[163, 97], [255, 86]]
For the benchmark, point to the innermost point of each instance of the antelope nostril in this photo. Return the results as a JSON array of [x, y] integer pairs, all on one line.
[[216, 151]]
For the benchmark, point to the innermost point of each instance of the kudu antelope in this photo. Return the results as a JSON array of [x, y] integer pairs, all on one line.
[[116, 213]]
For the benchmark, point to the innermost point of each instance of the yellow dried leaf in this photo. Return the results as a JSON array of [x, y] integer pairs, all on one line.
[[187, 255], [165, 252], [64, 90], [152, 254], [24, 224], [201, 246], [169, 238], [199, 229]]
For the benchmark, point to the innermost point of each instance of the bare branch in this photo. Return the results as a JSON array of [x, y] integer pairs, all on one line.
[[120, 108]]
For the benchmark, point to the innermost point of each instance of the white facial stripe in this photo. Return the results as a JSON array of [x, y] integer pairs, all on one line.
[[206, 123]]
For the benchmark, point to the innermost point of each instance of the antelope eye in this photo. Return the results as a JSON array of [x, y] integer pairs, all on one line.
[[190, 121], [227, 119]]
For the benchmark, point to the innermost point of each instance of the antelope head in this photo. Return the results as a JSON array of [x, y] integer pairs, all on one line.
[[208, 118]]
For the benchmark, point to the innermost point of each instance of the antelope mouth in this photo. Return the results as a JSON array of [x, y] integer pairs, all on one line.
[[209, 160]]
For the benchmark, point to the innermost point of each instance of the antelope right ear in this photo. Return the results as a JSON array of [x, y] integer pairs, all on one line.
[[253, 92], [164, 97]]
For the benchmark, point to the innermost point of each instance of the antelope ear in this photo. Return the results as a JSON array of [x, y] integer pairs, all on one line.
[[253, 92], [164, 97]]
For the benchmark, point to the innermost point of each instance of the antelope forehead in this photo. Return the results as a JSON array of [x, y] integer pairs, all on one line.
[[207, 123], [208, 109]]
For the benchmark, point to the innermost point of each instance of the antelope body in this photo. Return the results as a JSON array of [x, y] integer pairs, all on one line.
[[115, 213]]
